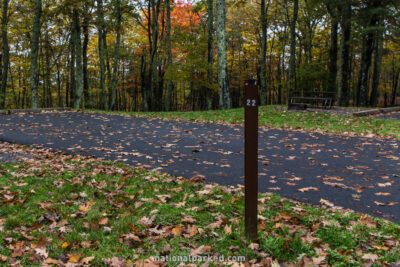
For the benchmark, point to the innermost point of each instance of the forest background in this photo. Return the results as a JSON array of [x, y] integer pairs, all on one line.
[[162, 55]]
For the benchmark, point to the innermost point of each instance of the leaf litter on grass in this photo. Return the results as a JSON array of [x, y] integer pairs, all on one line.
[[68, 210]]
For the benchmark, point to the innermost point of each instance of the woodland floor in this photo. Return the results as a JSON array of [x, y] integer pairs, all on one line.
[[359, 173]]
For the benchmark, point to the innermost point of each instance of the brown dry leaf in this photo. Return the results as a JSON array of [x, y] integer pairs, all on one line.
[[87, 260], [384, 184], [307, 189], [177, 230], [188, 219], [86, 207], [53, 261], [326, 202], [382, 194], [379, 203], [215, 225], [146, 221], [228, 229], [200, 250], [74, 258], [3, 258], [192, 230], [370, 257], [117, 262], [103, 221], [318, 260], [42, 252], [254, 246]]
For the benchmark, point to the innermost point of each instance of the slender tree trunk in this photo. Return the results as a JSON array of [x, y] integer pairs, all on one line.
[[366, 57], [333, 54], [153, 77], [78, 61], [143, 80], [170, 84], [100, 30], [72, 66], [363, 78], [345, 71], [263, 57], [34, 75], [5, 55], [377, 69], [116, 56], [210, 52], [292, 59], [224, 94], [85, 29]]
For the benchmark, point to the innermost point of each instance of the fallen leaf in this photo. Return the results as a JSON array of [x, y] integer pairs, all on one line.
[[177, 231], [103, 221], [87, 260], [74, 258], [228, 229], [200, 250], [370, 257], [382, 194]]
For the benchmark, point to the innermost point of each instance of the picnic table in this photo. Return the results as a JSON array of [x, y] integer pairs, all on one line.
[[306, 99]]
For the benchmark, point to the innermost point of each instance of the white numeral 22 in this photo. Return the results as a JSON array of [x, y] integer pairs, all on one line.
[[251, 103]]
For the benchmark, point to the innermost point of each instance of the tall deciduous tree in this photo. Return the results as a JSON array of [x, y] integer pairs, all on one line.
[[78, 60], [333, 47], [345, 23], [292, 59], [210, 51], [116, 54], [170, 84], [371, 18], [5, 55], [100, 32], [224, 95], [34, 75], [377, 69], [263, 59], [85, 29]]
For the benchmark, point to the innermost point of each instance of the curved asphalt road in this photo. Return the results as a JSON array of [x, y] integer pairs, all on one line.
[[359, 173]]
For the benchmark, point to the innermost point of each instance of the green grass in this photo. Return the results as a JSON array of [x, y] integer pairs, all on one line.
[[270, 116], [69, 205]]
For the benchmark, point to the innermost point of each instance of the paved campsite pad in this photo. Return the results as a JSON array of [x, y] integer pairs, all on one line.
[[389, 116], [359, 173]]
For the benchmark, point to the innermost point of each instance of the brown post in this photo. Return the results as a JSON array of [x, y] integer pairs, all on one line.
[[251, 157]]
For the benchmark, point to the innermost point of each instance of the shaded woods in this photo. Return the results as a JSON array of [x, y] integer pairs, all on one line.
[[160, 55]]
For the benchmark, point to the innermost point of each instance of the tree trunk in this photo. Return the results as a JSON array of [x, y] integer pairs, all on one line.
[[78, 61], [85, 29], [292, 59], [377, 69], [100, 30], [143, 80], [224, 95], [153, 77], [366, 58], [210, 52], [5, 55], [333, 54], [72, 66], [34, 75], [170, 84], [263, 58], [345, 71], [116, 56]]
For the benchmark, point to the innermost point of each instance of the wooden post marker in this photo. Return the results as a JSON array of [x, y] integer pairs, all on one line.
[[251, 157]]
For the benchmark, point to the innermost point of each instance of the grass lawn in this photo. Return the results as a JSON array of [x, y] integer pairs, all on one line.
[[270, 116], [59, 209]]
